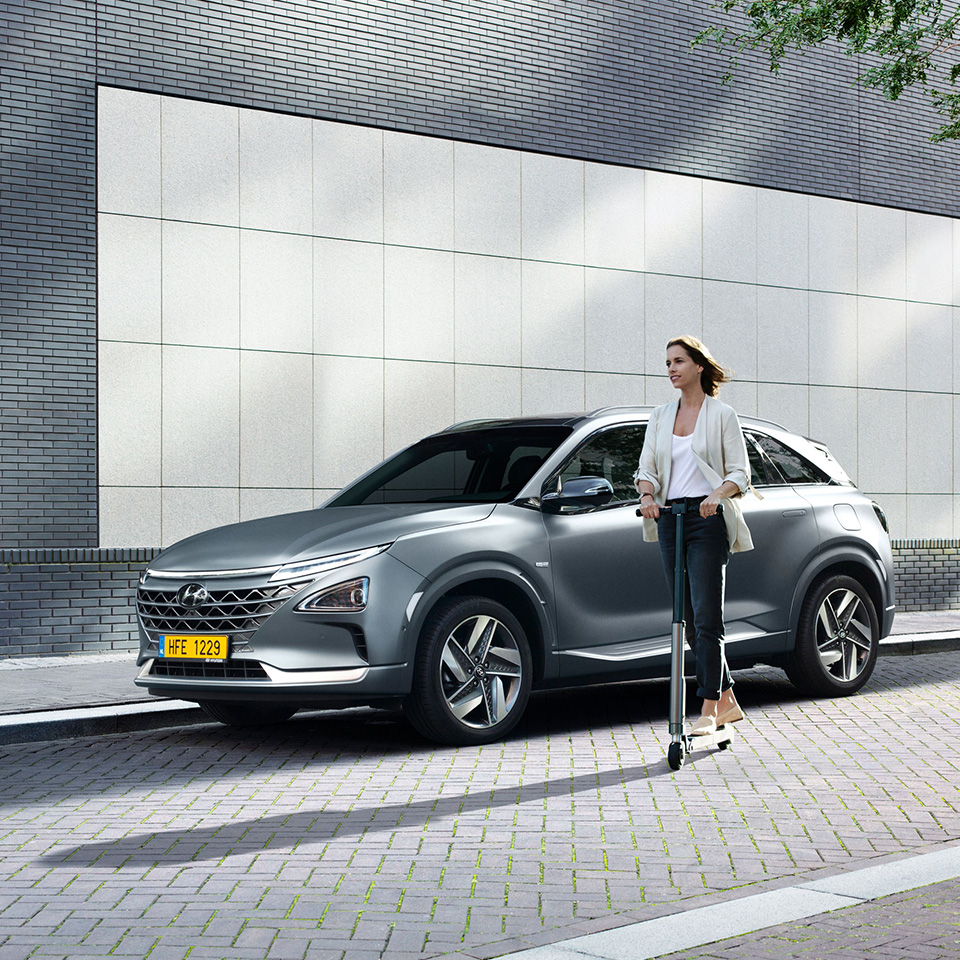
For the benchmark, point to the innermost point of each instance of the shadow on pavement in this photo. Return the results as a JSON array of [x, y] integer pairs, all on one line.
[[326, 740], [344, 736], [307, 828]]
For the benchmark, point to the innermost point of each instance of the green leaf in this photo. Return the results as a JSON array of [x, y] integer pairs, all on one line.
[[904, 41]]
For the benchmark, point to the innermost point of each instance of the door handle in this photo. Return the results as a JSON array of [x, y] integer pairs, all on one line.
[[794, 513]]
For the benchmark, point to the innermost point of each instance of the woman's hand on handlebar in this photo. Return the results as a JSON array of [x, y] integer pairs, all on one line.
[[710, 505], [649, 508], [713, 504]]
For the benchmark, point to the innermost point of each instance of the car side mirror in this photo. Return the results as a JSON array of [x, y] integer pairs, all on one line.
[[578, 495]]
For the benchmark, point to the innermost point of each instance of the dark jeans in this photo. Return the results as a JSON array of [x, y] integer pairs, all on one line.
[[706, 564]]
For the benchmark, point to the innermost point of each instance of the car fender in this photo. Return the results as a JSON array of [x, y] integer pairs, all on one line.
[[851, 552], [455, 577]]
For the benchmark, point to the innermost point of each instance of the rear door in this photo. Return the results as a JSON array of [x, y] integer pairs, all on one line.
[[761, 582]]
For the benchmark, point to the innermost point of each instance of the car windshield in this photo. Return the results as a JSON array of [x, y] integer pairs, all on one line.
[[475, 466]]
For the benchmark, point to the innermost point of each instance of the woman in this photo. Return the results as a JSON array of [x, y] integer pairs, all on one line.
[[694, 450]]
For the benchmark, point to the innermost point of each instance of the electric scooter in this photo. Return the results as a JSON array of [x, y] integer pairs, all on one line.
[[681, 743]]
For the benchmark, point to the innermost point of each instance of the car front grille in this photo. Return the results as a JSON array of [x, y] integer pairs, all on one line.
[[225, 611], [194, 670]]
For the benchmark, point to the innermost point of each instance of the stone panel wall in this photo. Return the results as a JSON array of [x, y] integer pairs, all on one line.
[[285, 301]]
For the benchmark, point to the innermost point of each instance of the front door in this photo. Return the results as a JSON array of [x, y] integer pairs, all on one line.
[[611, 597]]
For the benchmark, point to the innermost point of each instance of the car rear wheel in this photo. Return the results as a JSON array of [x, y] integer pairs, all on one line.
[[473, 673], [247, 714], [838, 638]]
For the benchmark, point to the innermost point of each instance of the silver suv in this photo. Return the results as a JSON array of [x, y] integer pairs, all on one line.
[[501, 556]]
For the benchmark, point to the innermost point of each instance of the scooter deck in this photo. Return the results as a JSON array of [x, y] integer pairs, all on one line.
[[682, 747], [724, 735]]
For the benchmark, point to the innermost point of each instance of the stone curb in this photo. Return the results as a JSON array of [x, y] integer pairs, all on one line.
[[726, 918], [913, 645], [97, 721], [134, 717]]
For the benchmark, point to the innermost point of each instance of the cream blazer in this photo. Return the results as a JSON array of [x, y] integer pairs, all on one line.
[[721, 454]]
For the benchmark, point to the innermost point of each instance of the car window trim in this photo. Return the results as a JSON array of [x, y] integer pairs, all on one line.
[[768, 463]]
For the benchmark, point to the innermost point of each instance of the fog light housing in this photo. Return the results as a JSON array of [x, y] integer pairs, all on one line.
[[347, 597]]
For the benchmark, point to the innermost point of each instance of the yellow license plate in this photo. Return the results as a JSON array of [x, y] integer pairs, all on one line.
[[194, 646]]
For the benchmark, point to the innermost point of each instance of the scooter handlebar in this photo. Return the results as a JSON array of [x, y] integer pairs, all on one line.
[[678, 508]]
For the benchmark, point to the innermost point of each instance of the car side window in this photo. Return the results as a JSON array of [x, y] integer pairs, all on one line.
[[613, 455], [758, 473], [794, 468], [762, 472], [522, 465]]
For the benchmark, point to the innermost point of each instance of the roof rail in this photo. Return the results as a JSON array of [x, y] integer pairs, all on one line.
[[615, 407], [463, 423]]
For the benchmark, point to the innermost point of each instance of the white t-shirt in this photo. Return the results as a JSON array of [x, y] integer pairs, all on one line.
[[686, 480]]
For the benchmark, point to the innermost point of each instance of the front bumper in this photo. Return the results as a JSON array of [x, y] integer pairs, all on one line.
[[275, 652], [350, 687]]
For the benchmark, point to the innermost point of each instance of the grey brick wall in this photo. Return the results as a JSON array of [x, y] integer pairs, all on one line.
[[48, 429], [927, 574], [68, 601], [606, 80]]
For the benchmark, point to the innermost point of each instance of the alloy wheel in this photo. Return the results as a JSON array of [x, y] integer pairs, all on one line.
[[481, 671], [843, 634]]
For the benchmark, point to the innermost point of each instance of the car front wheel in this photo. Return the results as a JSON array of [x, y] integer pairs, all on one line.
[[473, 673], [837, 639], [236, 714]]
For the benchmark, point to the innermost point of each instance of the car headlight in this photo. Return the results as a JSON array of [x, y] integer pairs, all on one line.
[[314, 568], [349, 597]]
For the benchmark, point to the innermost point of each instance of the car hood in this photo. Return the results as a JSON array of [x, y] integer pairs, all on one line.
[[271, 541]]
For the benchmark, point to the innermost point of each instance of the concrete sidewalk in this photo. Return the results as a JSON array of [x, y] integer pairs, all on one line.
[[836, 916]]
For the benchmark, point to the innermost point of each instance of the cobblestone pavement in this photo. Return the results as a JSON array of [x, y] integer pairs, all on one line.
[[922, 924], [345, 836]]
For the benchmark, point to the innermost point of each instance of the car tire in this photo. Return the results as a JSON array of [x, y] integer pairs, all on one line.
[[472, 675], [838, 636], [247, 714]]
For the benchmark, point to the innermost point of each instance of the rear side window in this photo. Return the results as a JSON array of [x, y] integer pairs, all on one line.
[[613, 455], [760, 476], [789, 464]]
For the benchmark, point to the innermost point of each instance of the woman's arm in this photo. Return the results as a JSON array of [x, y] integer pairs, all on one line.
[[736, 468], [649, 507], [646, 478]]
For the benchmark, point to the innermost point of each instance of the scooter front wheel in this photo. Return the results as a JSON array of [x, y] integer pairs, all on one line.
[[675, 755]]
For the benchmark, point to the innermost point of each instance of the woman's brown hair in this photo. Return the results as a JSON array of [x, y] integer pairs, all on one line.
[[713, 375]]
